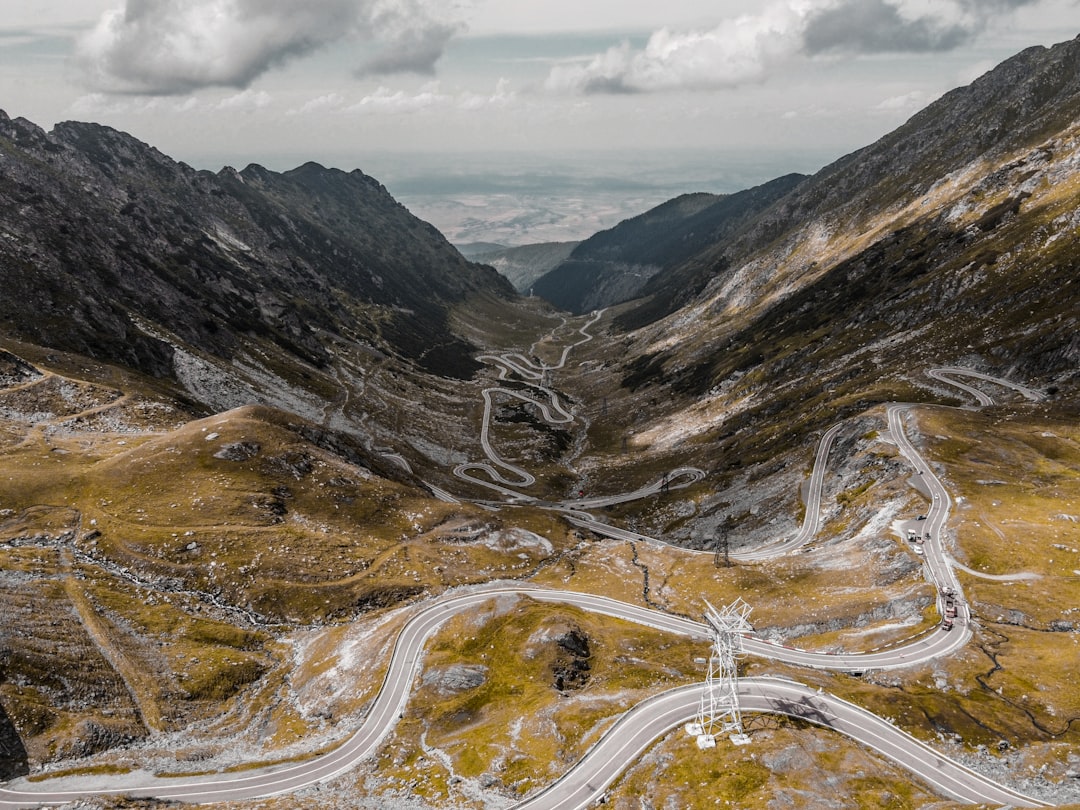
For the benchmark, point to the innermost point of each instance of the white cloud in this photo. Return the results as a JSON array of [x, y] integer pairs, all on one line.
[[406, 47], [324, 103], [96, 104], [502, 97], [431, 97], [168, 47], [902, 26], [906, 102], [246, 100], [530, 17], [385, 100], [187, 105], [749, 48], [737, 51], [103, 105]]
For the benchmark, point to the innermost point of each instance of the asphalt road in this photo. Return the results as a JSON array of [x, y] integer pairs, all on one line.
[[812, 518], [552, 411], [637, 730], [641, 726], [946, 373], [404, 666]]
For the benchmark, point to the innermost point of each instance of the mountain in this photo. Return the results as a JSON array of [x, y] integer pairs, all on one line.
[[249, 420], [107, 235], [523, 265], [1011, 110], [952, 241], [470, 250], [225, 401], [614, 265]]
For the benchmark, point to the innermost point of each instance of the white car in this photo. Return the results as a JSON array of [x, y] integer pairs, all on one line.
[[918, 549]]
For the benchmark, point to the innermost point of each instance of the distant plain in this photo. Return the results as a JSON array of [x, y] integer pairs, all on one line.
[[518, 198]]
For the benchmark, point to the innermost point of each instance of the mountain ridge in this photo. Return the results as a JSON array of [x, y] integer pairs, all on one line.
[[1018, 102], [524, 264], [164, 234], [614, 265]]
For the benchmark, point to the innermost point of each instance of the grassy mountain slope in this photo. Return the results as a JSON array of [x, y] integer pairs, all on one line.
[[838, 212], [153, 563], [192, 582]]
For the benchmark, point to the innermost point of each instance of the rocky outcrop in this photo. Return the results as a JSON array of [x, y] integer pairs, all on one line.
[[456, 678], [15, 371], [570, 668], [13, 757]]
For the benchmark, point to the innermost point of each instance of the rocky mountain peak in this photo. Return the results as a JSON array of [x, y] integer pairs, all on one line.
[[109, 232]]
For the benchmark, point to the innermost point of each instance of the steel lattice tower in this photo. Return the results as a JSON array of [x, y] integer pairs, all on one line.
[[719, 711]]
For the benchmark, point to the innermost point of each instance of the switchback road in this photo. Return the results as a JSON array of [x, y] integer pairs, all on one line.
[[650, 720], [638, 728]]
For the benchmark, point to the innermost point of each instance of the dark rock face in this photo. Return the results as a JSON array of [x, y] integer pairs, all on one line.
[[570, 669], [15, 371], [238, 451], [106, 231], [13, 759], [90, 737]]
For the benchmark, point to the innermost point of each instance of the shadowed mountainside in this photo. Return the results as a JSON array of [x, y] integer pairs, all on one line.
[[523, 265], [614, 265], [105, 230]]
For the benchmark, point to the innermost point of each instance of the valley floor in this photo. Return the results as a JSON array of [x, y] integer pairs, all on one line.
[[268, 598]]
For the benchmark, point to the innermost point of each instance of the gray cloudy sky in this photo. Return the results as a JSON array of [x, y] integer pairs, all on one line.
[[340, 81]]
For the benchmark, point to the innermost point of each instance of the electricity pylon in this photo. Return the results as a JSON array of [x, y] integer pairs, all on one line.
[[719, 709]]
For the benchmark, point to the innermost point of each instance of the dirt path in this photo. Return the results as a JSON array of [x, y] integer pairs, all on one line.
[[140, 683]]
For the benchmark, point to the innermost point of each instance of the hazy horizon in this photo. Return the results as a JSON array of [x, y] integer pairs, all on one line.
[[516, 198], [525, 199], [322, 80], [552, 120]]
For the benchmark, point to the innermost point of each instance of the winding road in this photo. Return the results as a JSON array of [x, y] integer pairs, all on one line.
[[638, 728], [514, 363], [945, 374], [812, 518]]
